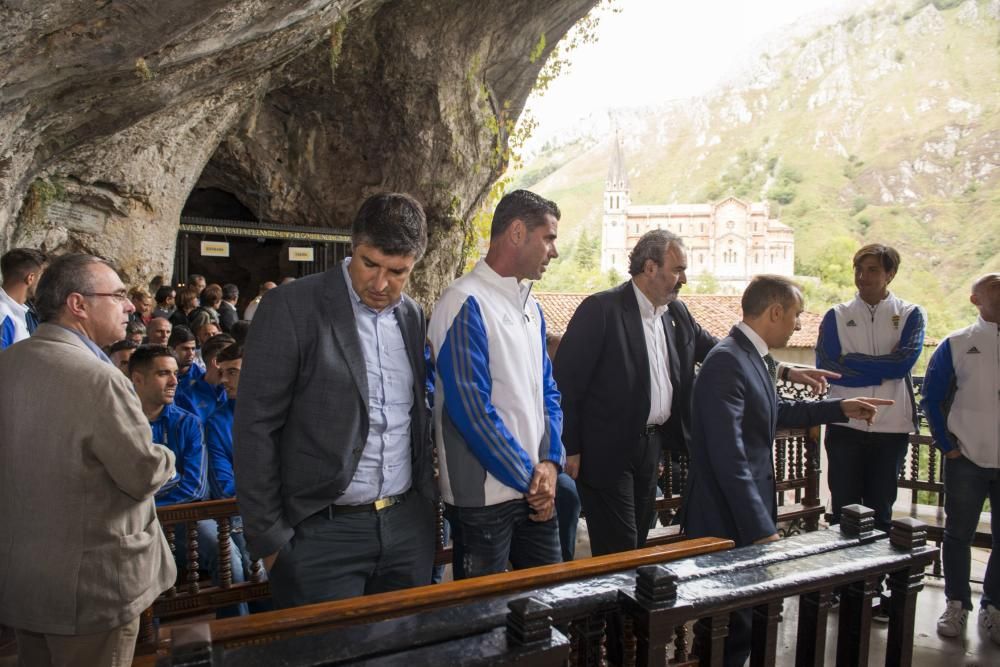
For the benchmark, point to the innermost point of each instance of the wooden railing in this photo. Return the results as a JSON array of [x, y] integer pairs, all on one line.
[[796, 480], [547, 616], [324, 617]]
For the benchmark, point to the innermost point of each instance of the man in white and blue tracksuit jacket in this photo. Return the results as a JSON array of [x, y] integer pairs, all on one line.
[[873, 341], [961, 399], [496, 412]]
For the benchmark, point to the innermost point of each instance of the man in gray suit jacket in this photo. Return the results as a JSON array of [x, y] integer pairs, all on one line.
[[333, 464], [81, 551]]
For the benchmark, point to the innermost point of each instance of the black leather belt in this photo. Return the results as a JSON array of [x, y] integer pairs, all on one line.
[[377, 506], [652, 429]]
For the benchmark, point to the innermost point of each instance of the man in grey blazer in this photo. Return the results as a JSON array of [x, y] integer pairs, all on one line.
[[81, 550], [333, 463]]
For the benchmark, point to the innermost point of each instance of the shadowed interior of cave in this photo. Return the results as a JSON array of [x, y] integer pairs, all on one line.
[[251, 260]]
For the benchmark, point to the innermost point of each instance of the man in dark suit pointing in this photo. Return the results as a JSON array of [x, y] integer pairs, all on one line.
[[731, 491], [332, 453]]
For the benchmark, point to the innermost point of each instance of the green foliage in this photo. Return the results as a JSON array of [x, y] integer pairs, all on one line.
[[336, 43], [860, 203], [706, 283], [588, 250], [940, 5], [899, 56], [41, 193], [142, 70], [539, 49]]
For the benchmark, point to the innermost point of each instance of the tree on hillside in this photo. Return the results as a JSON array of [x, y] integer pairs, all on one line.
[[587, 248]]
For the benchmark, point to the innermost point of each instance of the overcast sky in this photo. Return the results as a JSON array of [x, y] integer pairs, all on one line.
[[658, 50]]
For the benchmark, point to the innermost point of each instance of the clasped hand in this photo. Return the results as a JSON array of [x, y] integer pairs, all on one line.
[[541, 494]]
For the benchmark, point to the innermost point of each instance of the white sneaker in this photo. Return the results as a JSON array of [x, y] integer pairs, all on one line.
[[952, 621], [989, 620]]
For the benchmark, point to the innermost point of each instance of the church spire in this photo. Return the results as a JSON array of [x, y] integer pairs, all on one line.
[[617, 175]]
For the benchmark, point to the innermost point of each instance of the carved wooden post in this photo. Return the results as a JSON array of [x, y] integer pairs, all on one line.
[[810, 642], [191, 645], [904, 535], [856, 520], [710, 640], [764, 648], [528, 621], [172, 541], [812, 498], [146, 642], [225, 554], [680, 643], [192, 557], [655, 594], [914, 470], [856, 598]]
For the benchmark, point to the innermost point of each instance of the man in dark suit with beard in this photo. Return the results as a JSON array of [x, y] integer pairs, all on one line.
[[625, 369]]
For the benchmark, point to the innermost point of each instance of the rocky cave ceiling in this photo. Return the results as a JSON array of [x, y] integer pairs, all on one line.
[[112, 111]]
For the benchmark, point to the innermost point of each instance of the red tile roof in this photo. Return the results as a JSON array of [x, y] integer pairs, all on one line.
[[716, 313]]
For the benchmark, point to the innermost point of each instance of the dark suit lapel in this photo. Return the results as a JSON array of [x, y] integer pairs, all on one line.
[[763, 376], [340, 312], [636, 338], [408, 326]]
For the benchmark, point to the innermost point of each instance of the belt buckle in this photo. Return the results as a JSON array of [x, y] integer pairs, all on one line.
[[382, 503]]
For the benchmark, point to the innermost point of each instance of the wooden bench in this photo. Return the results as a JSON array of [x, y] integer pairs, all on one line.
[[316, 618], [564, 615], [796, 476]]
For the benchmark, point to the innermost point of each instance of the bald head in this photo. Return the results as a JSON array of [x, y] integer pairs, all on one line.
[[986, 297]]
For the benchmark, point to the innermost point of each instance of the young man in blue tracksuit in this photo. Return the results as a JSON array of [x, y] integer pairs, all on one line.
[[202, 395], [961, 399], [153, 371]]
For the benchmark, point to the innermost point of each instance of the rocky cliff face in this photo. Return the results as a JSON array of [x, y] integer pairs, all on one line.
[[112, 112]]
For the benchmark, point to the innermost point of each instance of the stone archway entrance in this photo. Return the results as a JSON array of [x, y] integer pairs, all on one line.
[[248, 253]]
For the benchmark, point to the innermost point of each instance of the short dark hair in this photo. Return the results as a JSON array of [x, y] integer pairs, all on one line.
[[214, 345], [186, 296], [195, 276], [230, 292], [65, 275], [524, 205], [180, 335], [123, 344], [142, 359], [767, 289], [651, 246], [134, 327], [16, 264], [393, 222], [239, 331], [231, 353], [164, 293], [887, 256], [211, 296]]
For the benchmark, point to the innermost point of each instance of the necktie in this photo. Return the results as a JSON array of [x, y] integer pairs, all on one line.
[[772, 367]]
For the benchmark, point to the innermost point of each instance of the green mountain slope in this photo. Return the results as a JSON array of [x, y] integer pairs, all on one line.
[[882, 127]]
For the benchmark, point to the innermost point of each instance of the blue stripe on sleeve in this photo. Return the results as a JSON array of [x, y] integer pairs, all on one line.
[[937, 393], [7, 333], [896, 364], [464, 370], [553, 449], [828, 356]]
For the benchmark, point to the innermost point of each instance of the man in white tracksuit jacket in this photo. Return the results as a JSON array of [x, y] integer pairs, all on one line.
[[873, 341], [497, 418], [961, 399]]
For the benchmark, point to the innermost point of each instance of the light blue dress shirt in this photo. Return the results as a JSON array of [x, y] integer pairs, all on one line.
[[386, 467]]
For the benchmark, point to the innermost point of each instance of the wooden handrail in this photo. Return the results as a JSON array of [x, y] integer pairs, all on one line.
[[324, 615]]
